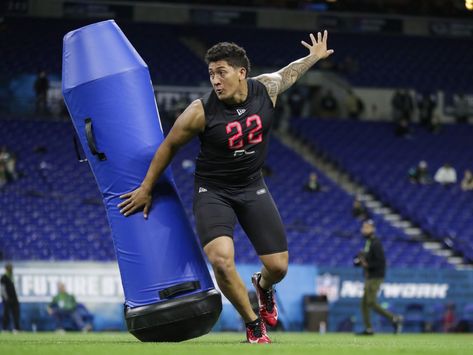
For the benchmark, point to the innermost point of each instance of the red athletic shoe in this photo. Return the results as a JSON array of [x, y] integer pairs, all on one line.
[[268, 309], [256, 333]]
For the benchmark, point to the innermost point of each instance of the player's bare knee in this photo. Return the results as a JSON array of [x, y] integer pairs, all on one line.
[[280, 272], [222, 266], [277, 270]]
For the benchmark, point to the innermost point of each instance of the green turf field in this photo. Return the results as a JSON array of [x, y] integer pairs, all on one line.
[[229, 343]]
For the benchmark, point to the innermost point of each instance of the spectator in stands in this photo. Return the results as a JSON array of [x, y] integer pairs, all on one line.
[[400, 113], [461, 108], [328, 104], [373, 262], [467, 181], [359, 210], [41, 88], [12, 173], [354, 105], [446, 175], [11, 306], [3, 174], [402, 106], [313, 184], [420, 174], [426, 104], [9, 161], [396, 106], [63, 307], [407, 105]]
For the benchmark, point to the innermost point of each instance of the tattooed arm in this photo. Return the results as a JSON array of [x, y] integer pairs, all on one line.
[[284, 78]]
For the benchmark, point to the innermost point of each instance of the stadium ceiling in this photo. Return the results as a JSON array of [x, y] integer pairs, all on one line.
[[442, 8]]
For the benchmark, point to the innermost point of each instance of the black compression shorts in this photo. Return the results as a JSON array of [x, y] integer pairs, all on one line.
[[216, 210]]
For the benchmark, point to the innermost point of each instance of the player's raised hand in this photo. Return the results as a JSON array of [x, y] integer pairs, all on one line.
[[135, 201], [319, 45]]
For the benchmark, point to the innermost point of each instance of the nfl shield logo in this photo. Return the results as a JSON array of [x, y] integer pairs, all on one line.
[[328, 285]]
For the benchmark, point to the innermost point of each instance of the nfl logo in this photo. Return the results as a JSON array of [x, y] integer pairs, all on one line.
[[328, 285]]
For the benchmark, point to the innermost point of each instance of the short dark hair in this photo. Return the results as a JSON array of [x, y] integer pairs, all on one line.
[[231, 52]]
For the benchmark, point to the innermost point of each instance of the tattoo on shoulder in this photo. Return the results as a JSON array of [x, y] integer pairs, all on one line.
[[287, 76], [272, 86]]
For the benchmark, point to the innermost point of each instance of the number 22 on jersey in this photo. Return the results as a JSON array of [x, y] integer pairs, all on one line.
[[255, 135]]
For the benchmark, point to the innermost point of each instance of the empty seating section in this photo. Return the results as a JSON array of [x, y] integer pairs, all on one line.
[[30, 45], [382, 61], [375, 157], [319, 226], [54, 211]]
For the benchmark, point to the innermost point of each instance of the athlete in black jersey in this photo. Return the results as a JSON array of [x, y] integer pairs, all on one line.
[[235, 139], [233, 123]]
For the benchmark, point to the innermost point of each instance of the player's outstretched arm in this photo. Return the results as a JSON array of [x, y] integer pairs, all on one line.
[[189, 124], [284, 78]]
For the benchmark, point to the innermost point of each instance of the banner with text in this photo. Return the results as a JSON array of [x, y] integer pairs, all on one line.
[[98, 286], [401, 287]]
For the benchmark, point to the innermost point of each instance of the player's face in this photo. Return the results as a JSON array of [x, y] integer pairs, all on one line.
[[225, 79]]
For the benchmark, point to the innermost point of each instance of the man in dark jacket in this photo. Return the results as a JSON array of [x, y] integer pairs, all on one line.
[[374, 264], [41, 87], [9, 299]]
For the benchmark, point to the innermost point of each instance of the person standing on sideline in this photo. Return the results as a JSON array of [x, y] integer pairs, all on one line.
[[11, 306], [233, 122], [374, 265]]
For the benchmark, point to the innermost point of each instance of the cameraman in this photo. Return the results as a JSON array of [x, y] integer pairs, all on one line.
[[374, 264]]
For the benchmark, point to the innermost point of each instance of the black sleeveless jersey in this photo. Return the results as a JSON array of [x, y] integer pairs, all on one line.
[[235, 140]]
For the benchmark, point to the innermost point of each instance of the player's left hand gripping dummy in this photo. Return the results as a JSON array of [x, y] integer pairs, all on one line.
[[169, 294]]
